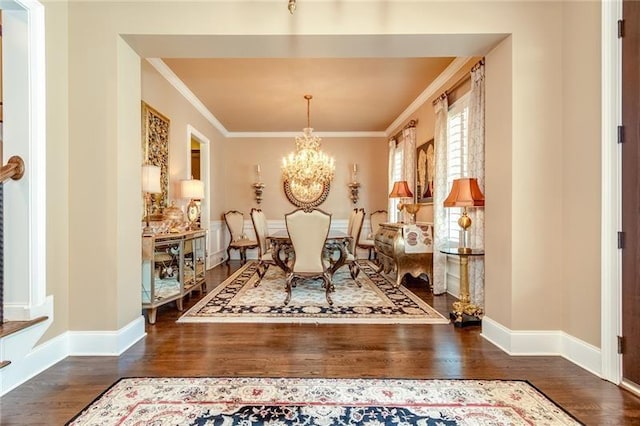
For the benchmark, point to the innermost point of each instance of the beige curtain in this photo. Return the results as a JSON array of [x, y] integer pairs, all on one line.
[[391, 201], [439, 194], [409, 163], [476, 169]]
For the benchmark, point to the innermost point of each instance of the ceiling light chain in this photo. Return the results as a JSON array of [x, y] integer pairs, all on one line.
[[292, 6]]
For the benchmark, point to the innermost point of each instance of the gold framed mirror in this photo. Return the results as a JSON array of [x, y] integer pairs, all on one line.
[[306, 196], [155, 151]]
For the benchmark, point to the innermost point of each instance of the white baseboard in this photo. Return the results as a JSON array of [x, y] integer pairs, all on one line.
[[28, 360], [543, 342], [25, 366], [91, 343]]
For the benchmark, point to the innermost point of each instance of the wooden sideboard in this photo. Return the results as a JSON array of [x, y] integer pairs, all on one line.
[[173, 265], [407, 254]]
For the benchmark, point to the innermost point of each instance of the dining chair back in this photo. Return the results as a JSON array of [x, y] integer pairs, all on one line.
[[238, 240], [356, 229], [261, 228], [367, 242], [308, 231], [352, 215], [376, 218]]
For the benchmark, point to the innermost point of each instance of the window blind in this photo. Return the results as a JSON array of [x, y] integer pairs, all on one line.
[[457, 158]]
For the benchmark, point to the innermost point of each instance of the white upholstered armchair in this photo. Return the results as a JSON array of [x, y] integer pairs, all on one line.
[[308, 232]]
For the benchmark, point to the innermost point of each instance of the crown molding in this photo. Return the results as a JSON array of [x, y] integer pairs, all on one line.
[[319, 134], [182, 88], [432, 89]]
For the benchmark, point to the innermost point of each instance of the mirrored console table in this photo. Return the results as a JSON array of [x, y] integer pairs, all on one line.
[[173, 265]]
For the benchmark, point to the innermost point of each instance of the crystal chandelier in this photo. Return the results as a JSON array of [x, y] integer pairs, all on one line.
[[308, 169]]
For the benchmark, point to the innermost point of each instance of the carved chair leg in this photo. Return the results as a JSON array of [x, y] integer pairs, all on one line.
[[354, 270], [328, 287], [228, 255], [288, 298]]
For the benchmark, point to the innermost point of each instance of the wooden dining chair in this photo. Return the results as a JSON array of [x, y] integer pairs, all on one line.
[[354, 233], [375, 219], [308, 231], [238, 240], [261, 228]]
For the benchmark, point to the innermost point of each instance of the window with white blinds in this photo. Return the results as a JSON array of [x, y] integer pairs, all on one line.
[[457, 157], [396, 175]]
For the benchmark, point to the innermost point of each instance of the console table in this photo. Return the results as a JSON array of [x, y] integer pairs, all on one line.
[[173, 265], [407, 248]]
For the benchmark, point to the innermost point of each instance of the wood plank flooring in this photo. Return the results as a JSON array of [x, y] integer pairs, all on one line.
[[310, 350]]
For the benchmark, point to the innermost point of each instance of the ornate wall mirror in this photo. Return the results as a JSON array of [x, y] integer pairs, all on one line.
[[306, 196]]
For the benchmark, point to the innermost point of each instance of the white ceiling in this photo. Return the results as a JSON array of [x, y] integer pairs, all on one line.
[[360, 83]]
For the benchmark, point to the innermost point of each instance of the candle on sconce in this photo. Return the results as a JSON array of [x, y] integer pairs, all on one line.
[[258, 168], [355, 167]]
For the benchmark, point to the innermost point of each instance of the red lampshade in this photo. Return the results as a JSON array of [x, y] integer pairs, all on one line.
[[465, 193], [401, 190]]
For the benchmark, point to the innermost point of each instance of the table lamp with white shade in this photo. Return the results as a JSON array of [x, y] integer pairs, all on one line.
[[192, 189], [150, 185]]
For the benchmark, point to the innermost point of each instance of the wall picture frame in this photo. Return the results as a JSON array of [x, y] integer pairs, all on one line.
[[425, 172], [155, 151]]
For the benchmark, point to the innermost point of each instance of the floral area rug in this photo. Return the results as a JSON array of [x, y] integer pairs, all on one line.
[[237, 299], [291, 401]]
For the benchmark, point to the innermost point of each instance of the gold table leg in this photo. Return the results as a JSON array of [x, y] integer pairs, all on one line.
[[464, 306]]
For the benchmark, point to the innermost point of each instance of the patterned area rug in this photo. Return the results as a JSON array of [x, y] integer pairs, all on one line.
[[256, 401], [376, 301]]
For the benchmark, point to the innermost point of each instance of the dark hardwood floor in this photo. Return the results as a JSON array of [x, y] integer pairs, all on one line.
[[310, 350]]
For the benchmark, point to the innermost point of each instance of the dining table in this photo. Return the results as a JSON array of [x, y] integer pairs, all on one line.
[[336, 247]]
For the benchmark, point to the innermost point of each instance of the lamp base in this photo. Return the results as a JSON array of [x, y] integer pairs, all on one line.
[[465, 314], [465, 320]]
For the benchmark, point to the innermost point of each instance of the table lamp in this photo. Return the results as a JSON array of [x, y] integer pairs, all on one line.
[[401, 190], [192, 189], [150, 185], [465, 193]]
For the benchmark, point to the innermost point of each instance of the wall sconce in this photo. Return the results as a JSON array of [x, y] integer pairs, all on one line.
[[150, 185], [258, 186], [354, 186]]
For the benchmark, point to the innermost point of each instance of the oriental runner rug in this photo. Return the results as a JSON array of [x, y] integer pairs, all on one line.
[[376, 301], [292, 401]]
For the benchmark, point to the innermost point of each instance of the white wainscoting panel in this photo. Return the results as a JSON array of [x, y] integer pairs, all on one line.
[[274, 226], [217, 243]]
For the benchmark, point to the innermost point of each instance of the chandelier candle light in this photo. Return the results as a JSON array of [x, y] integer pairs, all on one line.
[[308, 169]]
